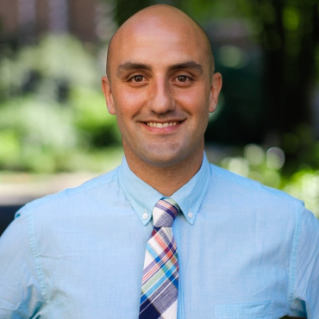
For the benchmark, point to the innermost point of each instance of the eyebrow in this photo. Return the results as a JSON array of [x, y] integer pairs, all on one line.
[[188, 65], [128, 66]]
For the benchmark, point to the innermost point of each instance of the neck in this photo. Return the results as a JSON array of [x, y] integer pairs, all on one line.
[[166, 180]]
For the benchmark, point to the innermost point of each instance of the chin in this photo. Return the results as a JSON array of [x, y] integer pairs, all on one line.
[[164, 160]]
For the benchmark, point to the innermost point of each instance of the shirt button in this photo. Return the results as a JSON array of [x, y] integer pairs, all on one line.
[[190, 215], [145, 215]]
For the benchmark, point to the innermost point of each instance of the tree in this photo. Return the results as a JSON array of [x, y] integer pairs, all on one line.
[[126, 8], [290, 36]]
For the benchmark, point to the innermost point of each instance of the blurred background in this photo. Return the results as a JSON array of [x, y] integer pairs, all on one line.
[[55, 131]]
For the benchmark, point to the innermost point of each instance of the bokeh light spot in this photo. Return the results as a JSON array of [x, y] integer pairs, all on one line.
[[291, 18], [275, 158], [232, 56], [254, 154]]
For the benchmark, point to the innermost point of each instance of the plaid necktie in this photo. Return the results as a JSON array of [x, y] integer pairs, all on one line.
[[160, 275]]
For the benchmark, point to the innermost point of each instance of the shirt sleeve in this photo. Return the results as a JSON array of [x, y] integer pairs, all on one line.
[[20, 291], [306, 275]]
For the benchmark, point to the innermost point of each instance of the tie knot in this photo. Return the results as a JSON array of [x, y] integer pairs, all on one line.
[[164, 212]]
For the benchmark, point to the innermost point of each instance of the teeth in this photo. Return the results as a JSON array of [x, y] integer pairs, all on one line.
[[160, 125]]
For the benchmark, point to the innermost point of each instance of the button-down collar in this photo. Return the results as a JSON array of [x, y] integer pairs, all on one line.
[[143, 197]]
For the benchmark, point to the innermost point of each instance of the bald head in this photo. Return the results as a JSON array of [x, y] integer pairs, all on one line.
[[155, 17]]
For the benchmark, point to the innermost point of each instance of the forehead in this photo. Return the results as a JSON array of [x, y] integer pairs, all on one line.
[[158, 41]]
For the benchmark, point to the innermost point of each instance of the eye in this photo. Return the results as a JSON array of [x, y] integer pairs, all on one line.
[[183, 78], [137, 78]]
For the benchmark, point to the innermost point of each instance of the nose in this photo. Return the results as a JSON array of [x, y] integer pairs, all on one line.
[[161, 100]]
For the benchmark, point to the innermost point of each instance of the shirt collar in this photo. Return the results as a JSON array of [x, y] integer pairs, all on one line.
[[143, 197]]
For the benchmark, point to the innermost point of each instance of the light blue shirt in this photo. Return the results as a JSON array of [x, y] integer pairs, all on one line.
[[245, 251]]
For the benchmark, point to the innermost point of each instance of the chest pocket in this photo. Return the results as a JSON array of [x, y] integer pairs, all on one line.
[[256, 310]]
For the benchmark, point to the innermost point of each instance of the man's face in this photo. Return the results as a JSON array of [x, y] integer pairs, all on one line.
[[161, 90]]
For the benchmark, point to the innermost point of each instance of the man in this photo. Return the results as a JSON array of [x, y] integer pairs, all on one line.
[[244, 250]]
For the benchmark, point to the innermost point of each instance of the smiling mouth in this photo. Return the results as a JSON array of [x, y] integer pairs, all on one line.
[[160, 125]]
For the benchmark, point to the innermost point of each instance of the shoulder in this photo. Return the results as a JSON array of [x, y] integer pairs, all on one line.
[[104, 187], [242, 191]]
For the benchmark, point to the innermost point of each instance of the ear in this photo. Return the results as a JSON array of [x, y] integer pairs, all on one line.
[[106, 87], [214, 91]]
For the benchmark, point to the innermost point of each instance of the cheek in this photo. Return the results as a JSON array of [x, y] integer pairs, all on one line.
[[129, 103], [186, 96], [195, 100]]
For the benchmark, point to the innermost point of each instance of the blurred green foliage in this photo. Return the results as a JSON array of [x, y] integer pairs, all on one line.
[[99, 125], [52, 113]]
